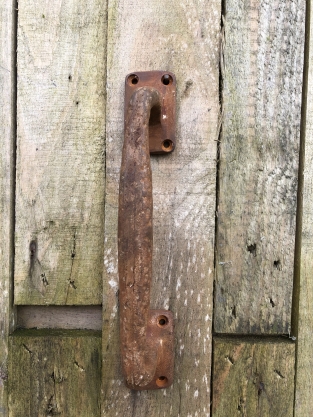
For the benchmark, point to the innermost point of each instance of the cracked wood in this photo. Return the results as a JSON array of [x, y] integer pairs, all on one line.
[[182, 37], [60, 152], [55, 373], [253, 377], [258, 168]]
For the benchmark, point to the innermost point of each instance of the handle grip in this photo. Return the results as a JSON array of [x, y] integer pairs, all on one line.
[[146, 335]]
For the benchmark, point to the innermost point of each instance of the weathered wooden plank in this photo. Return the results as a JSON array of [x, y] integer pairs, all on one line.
[[303, 314], [59, 317], [253, 378], [55, 373], [60, 152], [7, 134], [259, 153], [182, 37]]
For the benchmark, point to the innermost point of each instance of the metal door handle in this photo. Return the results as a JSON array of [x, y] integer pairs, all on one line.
[[146, 336]]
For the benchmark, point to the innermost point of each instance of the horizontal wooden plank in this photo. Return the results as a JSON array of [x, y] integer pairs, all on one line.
[[182, 37], [7, 139], [303, 314], [55, 373], [253, 377], [60, 152], [259, 154], [59, 317]]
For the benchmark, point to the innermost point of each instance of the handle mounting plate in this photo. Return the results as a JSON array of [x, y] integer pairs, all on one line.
[[146, 336], [162, 119]]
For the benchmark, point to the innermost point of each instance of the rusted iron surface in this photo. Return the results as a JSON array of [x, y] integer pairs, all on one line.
[[162, 120], [147, 341]]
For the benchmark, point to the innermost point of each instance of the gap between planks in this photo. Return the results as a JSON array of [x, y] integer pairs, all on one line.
[[60, 317], [255, 338]]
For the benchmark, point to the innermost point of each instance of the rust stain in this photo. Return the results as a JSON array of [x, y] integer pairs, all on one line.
[[147, 341]]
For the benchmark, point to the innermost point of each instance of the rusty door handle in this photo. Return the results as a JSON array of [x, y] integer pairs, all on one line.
[[146, 336]]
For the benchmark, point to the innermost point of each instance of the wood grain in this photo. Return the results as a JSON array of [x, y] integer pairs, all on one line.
[[259, 154], [59, 317], [182, 37], [253, 378], [58, 373], [7, 137], [60, 152], [303, 314]]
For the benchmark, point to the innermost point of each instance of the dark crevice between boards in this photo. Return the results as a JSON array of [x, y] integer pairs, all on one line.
[[47, 333], [12, 317], [217, 182], [254, 338], [298, 240]]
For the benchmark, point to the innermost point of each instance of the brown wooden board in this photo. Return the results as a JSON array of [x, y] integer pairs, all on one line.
[[55, 373], [259, 154], [60, 152], [7, 134], [303, 313], [182, 37], [59, 317], [253, 377]]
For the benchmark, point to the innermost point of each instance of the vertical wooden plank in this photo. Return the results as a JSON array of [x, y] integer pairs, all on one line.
[[253, 378], [7, 127], [58, 373], [60, 152], [303, 314], [259, 154], [182, 37]]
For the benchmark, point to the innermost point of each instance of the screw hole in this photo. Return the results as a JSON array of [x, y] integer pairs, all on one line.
[[167, 79], [162, 321], [167, 145], [133, 79], [161, 381]]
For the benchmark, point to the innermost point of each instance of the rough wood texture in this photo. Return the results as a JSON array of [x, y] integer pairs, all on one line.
[[55, 373], [259, 153], [58, 317], [60, 152], [182, 37], [303, 314], [7, 79], [253, 378]]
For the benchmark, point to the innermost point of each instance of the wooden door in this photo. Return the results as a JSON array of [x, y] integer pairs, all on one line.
[[225, 205]]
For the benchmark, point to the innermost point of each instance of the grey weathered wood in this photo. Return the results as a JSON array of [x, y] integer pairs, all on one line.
[[55, 373], [253, 378], [60, 152], [59, 317], [303, 314], [7, 127], [182, 37], [259, 154]]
